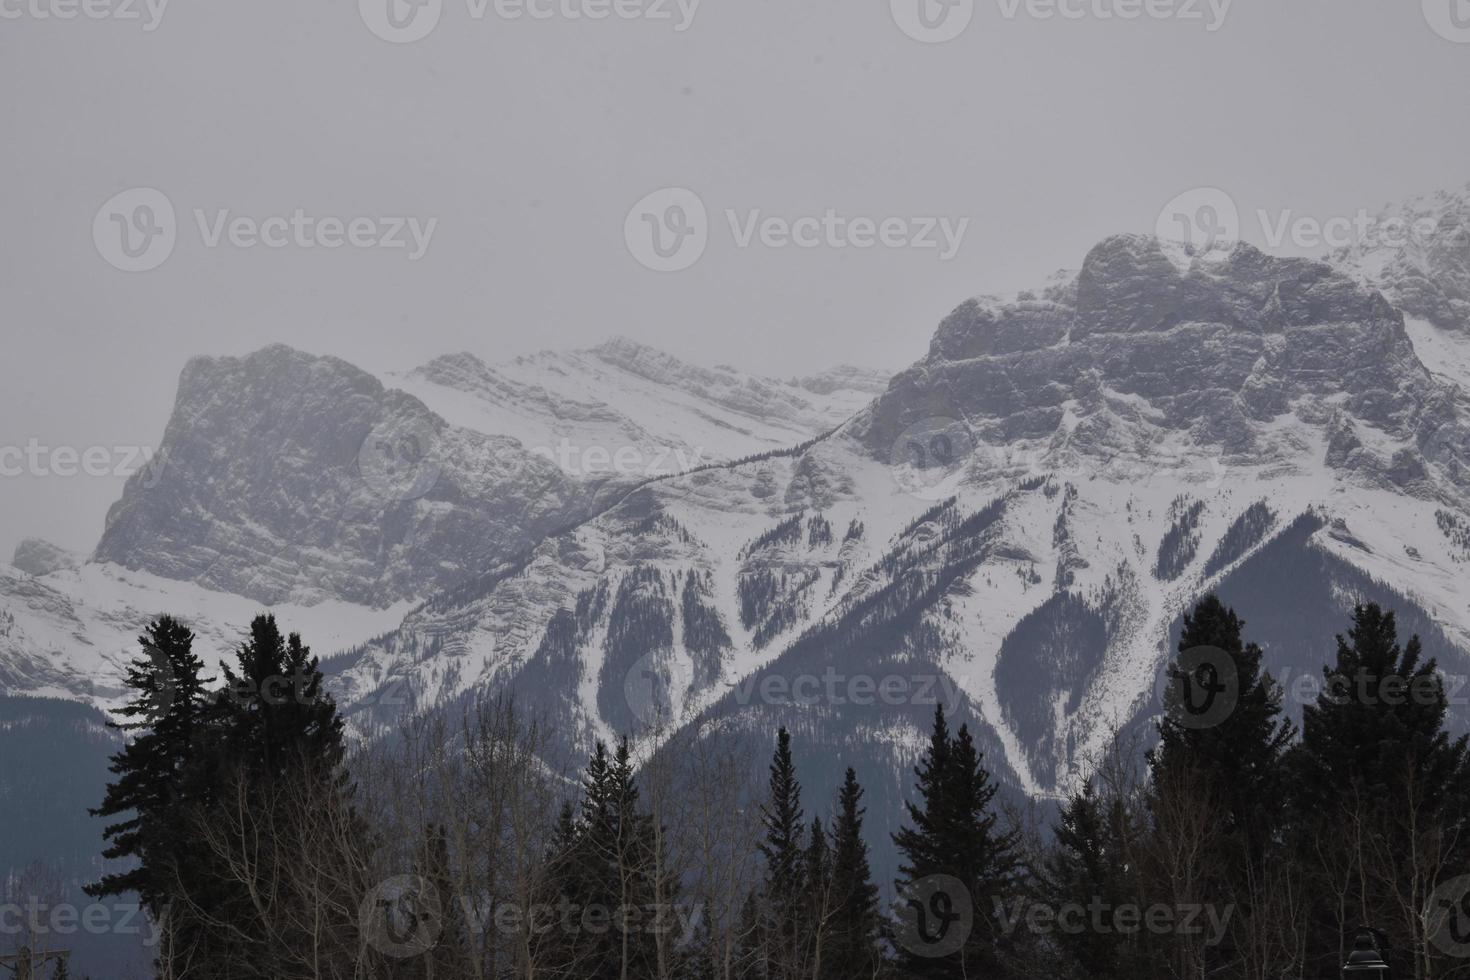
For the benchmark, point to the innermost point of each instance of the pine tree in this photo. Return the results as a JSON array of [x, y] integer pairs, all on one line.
[[1382, 792], [271, 774], [1084, 867], [853, 950], [614, 866], [1235, 760], [955, 833], [151, 792], [817, 912], [781, 816]]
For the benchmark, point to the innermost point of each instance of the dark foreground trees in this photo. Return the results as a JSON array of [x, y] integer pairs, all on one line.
[[464, 849]]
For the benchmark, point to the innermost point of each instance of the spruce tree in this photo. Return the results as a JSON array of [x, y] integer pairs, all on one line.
[[1381, 794], [615, 863], [817, 912], [956, 834], [781, 816], [1235, 759], [165, 721], [271, 774], [853, 951], [1086, 866]]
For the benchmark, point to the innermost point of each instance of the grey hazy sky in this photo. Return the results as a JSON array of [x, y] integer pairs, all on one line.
[[529, 141]]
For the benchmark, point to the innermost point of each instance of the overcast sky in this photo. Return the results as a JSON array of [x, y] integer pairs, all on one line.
[[528, 141]]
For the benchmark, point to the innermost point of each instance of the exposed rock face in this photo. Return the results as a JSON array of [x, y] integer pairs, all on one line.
[[39, 557], [1151, 428], [1148, 347], [1418, 254], [288, 477]]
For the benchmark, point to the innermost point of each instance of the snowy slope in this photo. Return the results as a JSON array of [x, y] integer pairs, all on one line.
[[1014, 527], [625, 409], [69, 633]]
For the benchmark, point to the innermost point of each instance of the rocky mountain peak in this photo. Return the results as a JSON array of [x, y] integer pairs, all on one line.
[[284, 475], [1152, 346], [1418, 253]]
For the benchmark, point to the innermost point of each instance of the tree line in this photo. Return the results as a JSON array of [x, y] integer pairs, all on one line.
[[1235, 846]]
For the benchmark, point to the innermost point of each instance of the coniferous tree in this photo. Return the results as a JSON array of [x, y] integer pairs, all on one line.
[[853, 951], [781, 816], [1233, 752], [613, 867], [1218, 793], [165, 719], [269, 785], [1382, 797], [954, 833], [1087, 870], [817, 912]]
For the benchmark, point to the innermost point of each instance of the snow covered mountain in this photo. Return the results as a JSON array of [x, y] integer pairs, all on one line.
[[623, 409], [1014, 527], [304, 484], [1418, 254]]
